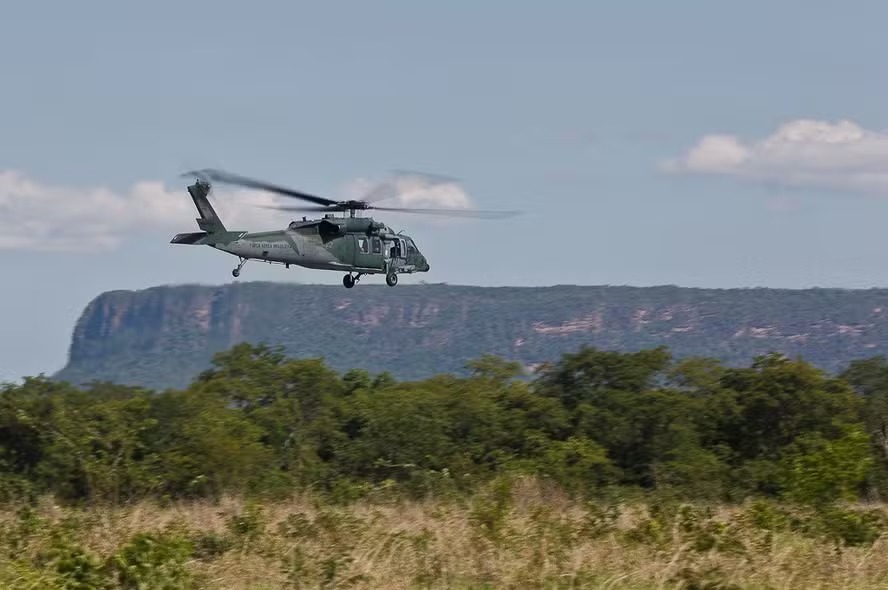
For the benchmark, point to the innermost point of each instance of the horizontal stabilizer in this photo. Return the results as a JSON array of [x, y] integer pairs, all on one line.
[[189, 238], [209, 239]]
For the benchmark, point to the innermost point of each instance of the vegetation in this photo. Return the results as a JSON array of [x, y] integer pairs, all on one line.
[[627, 470], [165, 336]]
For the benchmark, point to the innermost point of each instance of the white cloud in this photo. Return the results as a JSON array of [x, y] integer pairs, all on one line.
[[43, 217], [800, 153], [37, 216], [415, 191], [411, 189]]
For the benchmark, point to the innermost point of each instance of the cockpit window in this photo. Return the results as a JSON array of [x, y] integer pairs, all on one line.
[[411, 247]]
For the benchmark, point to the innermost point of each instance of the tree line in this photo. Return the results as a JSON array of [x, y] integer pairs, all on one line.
[[593, 422]]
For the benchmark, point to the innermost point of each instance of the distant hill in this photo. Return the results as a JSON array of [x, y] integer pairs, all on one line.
[[162, 337]]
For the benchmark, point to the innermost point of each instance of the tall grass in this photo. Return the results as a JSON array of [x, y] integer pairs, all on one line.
[[521, 534]]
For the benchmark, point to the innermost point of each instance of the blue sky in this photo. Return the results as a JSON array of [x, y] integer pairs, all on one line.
[[691, 143]]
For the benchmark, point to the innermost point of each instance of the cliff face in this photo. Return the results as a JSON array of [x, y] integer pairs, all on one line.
[[162, 337]]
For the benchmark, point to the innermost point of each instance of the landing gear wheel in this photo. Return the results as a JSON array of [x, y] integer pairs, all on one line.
[[391, 280], [236, 272], [348, 282]]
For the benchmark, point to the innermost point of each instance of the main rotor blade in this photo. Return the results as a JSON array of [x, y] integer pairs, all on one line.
[[302, 209], [236, 179], [476, 213], [471, 213]]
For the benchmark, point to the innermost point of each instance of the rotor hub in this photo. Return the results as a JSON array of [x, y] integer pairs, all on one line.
[[354, 205]]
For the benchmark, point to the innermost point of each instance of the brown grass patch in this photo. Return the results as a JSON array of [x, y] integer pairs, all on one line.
[[535, 538]]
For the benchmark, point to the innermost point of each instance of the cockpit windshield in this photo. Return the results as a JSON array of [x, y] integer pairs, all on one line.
[[411, 247]]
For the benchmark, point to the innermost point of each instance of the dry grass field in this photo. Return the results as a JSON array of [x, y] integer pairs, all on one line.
[[527, 536]]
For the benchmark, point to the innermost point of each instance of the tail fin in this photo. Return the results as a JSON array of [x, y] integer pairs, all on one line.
[[208, 220], [214, 231]]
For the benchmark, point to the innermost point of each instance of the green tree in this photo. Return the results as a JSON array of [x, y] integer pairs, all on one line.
[[578, 464], [869, 377], [776, 401], [207, 447], [819, 471], [291, 401], [98, 445], [590, 373], [494, 367]]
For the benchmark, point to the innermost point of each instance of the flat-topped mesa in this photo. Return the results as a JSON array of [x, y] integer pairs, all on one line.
[[164, 336]]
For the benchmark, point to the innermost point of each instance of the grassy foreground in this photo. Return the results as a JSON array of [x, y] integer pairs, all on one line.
[[523, 535]]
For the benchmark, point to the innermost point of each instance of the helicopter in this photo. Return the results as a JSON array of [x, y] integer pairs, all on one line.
[[354, 244]]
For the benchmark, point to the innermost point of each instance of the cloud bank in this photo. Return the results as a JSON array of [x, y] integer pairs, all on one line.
[[35, 216], [803, 153]]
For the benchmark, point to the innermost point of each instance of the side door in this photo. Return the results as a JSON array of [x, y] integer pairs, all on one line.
[[368, 251]]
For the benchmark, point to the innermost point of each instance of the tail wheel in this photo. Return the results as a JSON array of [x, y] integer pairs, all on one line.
[[348, 282], [391, 280]]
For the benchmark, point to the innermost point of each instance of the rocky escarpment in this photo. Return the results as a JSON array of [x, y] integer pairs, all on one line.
[[162, 337]]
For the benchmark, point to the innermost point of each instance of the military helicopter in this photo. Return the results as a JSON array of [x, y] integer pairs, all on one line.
[[357, 245]]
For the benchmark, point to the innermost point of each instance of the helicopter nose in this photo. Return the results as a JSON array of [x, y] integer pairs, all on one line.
[[425, 265]]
